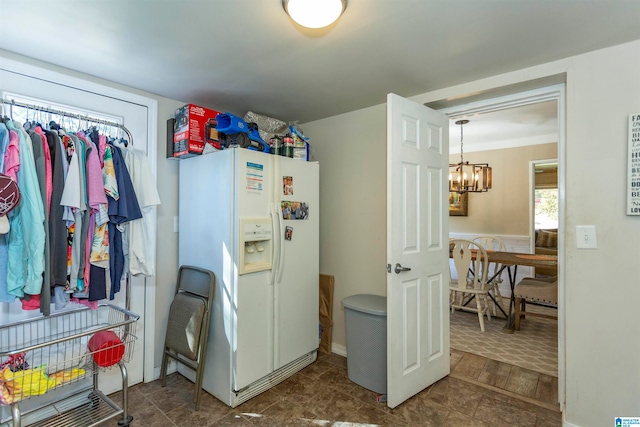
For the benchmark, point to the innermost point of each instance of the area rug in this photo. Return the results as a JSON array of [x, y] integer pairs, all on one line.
[[534, 346]]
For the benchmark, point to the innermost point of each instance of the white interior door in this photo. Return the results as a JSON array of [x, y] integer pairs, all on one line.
[[135, 118], [417, 236]]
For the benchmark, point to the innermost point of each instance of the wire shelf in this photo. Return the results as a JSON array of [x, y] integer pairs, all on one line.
[[41, 354]]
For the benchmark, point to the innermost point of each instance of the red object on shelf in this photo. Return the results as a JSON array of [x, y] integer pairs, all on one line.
[[194, 127], [106, 347]]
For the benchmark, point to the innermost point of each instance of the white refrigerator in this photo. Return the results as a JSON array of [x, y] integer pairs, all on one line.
[[252, 219]]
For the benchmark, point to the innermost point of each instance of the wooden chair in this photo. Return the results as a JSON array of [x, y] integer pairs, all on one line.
[[188, 326], [469, 256], [493, 243], [544, 290]]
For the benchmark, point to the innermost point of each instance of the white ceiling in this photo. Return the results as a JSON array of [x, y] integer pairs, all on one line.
[[531, 124], [247, 55]]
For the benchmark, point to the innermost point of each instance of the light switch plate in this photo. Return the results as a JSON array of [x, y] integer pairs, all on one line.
[[586, 237], [175, 224]]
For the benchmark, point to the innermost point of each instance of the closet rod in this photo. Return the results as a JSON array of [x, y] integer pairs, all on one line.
[[70, 115]]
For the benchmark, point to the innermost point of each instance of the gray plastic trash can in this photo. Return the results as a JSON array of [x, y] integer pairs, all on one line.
[[366, 324]]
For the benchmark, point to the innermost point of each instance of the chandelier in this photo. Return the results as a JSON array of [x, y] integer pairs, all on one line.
[[465, 177]]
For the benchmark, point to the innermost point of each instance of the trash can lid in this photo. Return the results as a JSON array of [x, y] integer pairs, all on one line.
[[372, 304]]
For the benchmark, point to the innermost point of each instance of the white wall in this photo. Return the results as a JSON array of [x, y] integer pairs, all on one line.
[[167, 250], [353, 188], [505, 208], [601, 286]]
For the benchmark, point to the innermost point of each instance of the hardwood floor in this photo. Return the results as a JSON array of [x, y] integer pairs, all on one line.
[[479, 392], [513, 381]]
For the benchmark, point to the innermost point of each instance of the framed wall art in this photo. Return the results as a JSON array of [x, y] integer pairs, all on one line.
[[458, 204], [633, 166]]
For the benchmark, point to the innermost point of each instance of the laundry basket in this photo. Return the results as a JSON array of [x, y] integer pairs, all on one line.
[[46, 353]]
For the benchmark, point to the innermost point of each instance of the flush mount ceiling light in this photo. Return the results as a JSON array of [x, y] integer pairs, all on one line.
[[465, 177], [314, 13]]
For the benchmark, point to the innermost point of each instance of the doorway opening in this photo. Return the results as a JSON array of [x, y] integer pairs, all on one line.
[[550, 201]]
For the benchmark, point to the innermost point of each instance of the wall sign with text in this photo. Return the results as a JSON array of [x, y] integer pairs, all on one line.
[[633, 166]]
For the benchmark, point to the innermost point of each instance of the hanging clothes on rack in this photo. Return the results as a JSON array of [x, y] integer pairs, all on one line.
[[27, 234], [98, 220], [57, 227], [81, 199], [4, 294], [4, 142], [121, 211], [74, 196], [42, 158], [140, 252]]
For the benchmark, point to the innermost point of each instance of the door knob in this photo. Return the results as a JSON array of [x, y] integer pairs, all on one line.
[[399, 268]]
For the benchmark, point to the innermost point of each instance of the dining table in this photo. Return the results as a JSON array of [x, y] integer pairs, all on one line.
[[510, 262]]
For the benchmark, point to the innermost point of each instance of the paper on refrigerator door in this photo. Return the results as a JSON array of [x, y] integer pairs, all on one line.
[[255, 177]]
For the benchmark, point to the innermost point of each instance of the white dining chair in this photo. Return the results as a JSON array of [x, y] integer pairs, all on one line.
[[469, 256], [493, 243]]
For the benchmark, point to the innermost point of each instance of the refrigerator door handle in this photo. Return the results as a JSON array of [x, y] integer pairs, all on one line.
[[281, 243], [277, 243]]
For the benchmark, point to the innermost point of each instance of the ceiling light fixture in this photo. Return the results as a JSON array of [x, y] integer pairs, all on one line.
[[465, 177], [314, 13]]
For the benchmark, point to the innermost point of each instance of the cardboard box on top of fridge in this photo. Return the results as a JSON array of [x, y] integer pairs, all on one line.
[[195, 131]]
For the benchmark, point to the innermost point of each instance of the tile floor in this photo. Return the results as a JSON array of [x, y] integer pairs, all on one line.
[[479, 392]]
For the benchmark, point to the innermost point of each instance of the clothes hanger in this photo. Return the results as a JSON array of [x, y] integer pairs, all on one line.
[[35, 122], [27, 124]]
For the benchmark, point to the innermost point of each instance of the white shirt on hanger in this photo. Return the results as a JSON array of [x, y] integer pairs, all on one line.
[[142, 242]]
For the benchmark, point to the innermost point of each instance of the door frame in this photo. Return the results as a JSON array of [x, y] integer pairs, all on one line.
[[555, 92], [61, 78]]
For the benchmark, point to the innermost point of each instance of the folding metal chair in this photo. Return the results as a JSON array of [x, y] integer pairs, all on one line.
[[188, 327]]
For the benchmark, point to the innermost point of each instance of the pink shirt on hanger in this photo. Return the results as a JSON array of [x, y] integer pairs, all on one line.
[[95, 186], [12, 156]]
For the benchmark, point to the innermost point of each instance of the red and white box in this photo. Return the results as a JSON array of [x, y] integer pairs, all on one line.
[[195, 127]]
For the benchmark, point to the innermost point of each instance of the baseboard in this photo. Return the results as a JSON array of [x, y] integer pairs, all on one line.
[[171, 368], [338, 349], [566, 424]]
